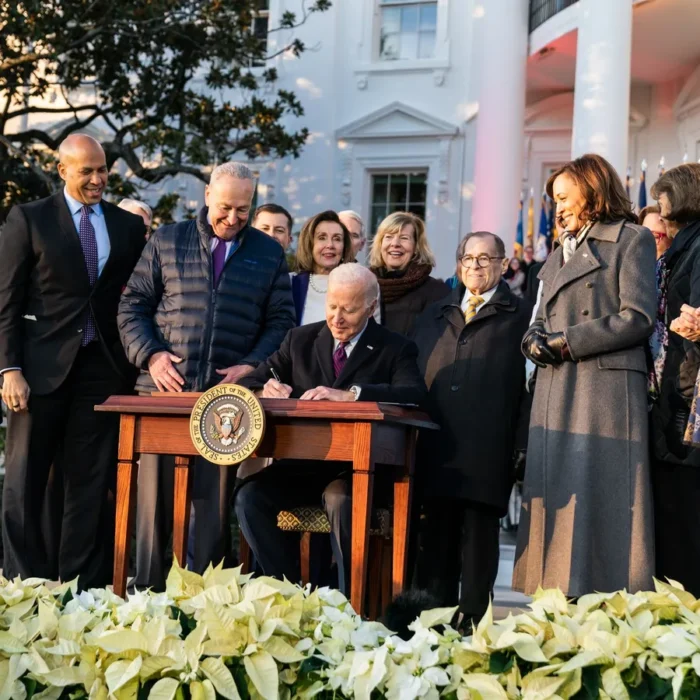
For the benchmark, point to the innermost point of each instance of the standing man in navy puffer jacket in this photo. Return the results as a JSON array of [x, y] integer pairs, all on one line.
[[209, 300]]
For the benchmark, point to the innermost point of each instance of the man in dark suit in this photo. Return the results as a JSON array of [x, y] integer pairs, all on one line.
[[346, 358], [63, 263]]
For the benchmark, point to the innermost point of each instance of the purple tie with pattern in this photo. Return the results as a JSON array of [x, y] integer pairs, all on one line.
[[88, 242], [218, 258], [339, 359]]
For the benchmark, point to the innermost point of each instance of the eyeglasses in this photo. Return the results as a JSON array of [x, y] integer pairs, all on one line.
[[481, 260]]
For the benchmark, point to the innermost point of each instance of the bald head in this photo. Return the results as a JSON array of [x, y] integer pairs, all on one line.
[[83, 167]]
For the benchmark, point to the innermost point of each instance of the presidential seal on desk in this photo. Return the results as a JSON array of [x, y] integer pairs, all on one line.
[[227, 424]]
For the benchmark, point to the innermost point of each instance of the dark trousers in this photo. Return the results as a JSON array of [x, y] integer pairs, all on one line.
[[676, 491], [458, 541], [290, 484], [212, 488], [62, 428]]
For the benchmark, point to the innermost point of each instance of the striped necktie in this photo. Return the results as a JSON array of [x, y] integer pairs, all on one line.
[[472, 305]]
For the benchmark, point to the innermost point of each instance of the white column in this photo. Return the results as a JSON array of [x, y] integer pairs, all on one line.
[[602, 90], [499, 133]]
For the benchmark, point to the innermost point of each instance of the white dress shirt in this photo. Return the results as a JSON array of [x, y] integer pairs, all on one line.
[[351, 343], [215, 240], [486, 296], [97, 220]]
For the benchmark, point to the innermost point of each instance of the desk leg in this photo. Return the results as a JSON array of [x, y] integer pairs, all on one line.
[[403, 496], [181, 510], [127, 473], [362, 487]]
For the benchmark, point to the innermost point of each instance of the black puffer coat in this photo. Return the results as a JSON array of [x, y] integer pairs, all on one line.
[[170, 303], [669, 416]]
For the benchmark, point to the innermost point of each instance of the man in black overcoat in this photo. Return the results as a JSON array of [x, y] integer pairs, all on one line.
[[469, 353]]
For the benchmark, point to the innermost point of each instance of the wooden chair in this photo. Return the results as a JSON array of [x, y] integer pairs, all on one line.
[[308, 520]]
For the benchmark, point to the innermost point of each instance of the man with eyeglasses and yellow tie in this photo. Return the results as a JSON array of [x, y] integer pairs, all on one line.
[[469, 353]]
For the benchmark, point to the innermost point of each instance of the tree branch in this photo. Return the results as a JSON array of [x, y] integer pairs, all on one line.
[[29, 162]]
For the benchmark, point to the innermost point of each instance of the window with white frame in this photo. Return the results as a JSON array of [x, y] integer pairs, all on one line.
[[397, 191], [261, 20], [407, 30]]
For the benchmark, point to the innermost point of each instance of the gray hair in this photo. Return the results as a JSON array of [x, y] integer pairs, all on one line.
[[355, 217], [238, 171], [131, 204], [354, 273]]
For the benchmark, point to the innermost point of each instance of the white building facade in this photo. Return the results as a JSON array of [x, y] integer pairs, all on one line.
[[454, 108]]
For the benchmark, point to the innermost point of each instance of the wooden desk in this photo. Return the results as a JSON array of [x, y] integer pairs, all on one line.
[[364, 433]]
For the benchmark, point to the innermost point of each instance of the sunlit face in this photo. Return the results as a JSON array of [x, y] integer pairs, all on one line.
[[480, 279], [398, 248], [347, 310], [328, 247], [656, 225], [84, 170], [275, 225], [229, 200], [571, 205], [355, 229], [672, 228]]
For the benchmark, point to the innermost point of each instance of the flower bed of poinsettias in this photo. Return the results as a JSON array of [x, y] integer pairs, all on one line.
[[226, 635]]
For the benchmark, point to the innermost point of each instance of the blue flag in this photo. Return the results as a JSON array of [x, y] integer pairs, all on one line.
[[544, 241], [642, 202], [518, 249]]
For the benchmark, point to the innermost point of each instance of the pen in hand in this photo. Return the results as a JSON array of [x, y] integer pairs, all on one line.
[[274, 374]]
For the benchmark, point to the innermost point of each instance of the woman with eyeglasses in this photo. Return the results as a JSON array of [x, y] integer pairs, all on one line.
[[673, 387], [587, 517], [402, 261], [650, 217]]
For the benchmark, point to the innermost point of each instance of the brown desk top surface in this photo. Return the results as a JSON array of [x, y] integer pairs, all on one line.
[[171, 404]]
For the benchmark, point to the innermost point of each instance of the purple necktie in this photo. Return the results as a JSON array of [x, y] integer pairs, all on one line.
[[339, 359], [88, 242], [218, 258]]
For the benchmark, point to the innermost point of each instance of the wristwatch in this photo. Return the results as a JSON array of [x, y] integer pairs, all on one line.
[[356, 391]]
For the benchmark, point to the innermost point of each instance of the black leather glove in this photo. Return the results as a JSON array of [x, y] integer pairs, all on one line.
[[535, 347], [559, 347]]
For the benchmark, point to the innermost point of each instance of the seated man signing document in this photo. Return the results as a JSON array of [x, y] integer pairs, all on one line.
[[347, 358]]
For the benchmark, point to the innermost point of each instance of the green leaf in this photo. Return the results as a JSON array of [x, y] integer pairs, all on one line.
[[500, 662]]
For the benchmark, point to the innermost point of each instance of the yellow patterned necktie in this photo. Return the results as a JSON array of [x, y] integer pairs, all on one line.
[[472, 304]]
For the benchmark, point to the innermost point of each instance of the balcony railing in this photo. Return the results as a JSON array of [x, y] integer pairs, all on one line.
[[542, 10]]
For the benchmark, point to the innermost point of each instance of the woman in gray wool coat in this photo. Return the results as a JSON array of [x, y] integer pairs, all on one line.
[[587, 519]]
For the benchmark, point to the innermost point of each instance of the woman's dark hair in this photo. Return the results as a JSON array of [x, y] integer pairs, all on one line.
[[600, 186], [305, 246], [275, 209], [682, 187]]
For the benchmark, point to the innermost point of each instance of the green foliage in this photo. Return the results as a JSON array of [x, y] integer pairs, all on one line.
[[171, 82]]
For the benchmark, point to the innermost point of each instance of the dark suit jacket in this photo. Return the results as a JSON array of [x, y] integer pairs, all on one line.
[[43, 275], [382, 363], [475, 374]]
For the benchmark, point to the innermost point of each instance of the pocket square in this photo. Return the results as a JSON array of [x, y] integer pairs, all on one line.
[[29, 317]]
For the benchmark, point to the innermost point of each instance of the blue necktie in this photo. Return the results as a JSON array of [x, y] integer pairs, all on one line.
[[88, 242]]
